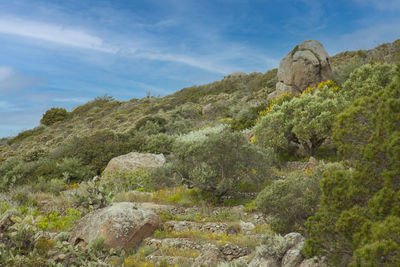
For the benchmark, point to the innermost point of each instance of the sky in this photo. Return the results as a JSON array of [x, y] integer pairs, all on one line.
[[64, 53]]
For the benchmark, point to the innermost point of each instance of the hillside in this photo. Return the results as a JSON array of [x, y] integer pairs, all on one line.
[[299, 180]]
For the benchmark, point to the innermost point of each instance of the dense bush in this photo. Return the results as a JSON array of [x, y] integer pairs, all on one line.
[[359, 213], [150, 125], [54, 115], [218, 160], [95, 150], [305, 121], [367, 80], [292, 200]]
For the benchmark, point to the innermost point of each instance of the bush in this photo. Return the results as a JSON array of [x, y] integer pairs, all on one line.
[[305, 121], [95, 150], [292, 200], [217, 160], [54, 115], [358, 218], [367, 80]]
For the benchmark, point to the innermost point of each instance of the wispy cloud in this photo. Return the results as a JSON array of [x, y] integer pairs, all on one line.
[[370, 36], [53, 33], [8, 107], [10, 81]]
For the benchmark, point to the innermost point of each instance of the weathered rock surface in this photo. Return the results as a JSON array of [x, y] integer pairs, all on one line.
[[210, 256], [305, 66], [134, 161], [122, 224], [293, 256]]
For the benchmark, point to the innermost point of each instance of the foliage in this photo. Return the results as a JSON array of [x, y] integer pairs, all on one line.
[[358, 218], [54, 115], [304, 121], [127, 181], [292, 200], [342, 73], [217, 160], [367, 80], [95, 150]]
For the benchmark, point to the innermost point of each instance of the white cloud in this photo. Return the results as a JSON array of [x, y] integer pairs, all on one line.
[[8, 107], [369, 37], [53, 33], [10, 81]]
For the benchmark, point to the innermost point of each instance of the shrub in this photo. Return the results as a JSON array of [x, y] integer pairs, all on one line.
[[367, 80], [305, 121], [150, 125], [217, 160], [54, 115], [292, 200], [95, 150], [358, 218]]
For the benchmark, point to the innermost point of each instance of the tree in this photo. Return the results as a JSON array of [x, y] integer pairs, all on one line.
[[304, 121], [359, 216], [218, 160]]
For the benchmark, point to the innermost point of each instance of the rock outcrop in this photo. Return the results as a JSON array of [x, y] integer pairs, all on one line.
[[305, 66], [122, 225], [133, 161]]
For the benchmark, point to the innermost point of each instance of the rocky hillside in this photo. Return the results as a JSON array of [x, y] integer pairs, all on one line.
[[292, 167]]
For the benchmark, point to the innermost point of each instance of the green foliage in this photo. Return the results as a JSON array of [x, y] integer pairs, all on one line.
[[359, 212], [121, 181], [150, 125], [367, 80], [217, 160], [342, 73], [54, 115], [95, 150], [292, 200], [304, 121]]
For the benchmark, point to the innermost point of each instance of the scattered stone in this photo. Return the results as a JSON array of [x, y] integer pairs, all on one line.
[[122, 224]]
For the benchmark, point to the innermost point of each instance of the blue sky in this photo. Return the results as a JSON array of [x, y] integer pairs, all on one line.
[[64, 53]]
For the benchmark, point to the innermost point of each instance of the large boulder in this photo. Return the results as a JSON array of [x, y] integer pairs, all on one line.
[[305, 66], [134, 161], [122, 224]]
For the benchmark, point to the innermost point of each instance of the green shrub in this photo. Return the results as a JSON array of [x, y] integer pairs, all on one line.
[[150, 125], [367, 80], [342, 73], [292, 200], [217, 160], [305, 121], [54, 115], [158, 143], [358, 218], [95, 150]]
